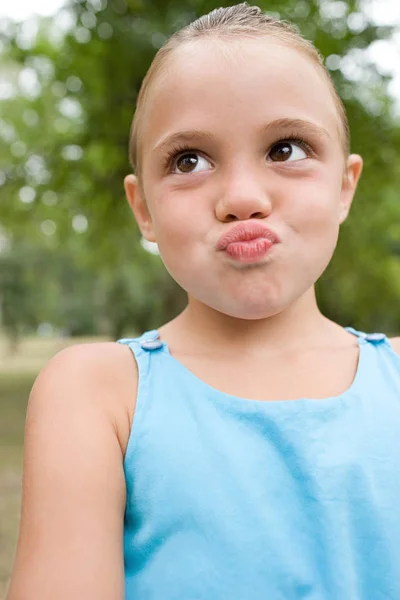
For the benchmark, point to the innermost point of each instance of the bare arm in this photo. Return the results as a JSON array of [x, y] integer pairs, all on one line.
[[71, 534]]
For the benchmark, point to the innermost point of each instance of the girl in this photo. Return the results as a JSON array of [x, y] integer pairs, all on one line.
[[263, 460]]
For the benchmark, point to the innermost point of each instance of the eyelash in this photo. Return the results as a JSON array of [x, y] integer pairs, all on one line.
[[174, 154]]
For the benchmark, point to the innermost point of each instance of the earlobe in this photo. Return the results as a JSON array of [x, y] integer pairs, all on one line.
[[350, 180], [135, 197]]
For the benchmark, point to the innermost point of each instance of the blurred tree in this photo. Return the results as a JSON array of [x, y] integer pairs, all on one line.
[[13, 300], [20, 300], [66, 124]]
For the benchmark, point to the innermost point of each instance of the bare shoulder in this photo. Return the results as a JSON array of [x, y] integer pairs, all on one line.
[[103, 374], [99, 362], [395, 344]]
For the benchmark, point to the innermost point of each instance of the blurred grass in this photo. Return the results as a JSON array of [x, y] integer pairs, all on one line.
[[14, 391], [17, 375]]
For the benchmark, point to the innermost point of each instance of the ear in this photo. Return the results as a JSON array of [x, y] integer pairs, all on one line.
[[350, 180], [135, 196]]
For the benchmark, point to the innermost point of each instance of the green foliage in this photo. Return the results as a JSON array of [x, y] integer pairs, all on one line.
[[69, 141]]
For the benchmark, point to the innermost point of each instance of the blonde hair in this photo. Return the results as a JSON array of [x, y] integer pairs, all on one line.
[[228, 24]]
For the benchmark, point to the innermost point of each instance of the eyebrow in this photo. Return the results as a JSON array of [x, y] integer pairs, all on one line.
[[301, 126]]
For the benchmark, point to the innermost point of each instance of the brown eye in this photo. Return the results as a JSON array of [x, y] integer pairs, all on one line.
[[281, 151], [190, 162], [187, 162], [286, 152]]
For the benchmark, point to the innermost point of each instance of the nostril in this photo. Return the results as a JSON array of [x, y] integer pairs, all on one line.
[[257, 215], [236, 217]]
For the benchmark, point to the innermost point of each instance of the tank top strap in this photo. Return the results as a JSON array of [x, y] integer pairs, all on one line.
[[377, 339], [150, 340], [381, 362], [143, 347], [146, 349]]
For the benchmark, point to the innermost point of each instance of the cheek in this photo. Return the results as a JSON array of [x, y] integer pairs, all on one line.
[[313, 224], [180, 227], [180, 215], [315, 208]]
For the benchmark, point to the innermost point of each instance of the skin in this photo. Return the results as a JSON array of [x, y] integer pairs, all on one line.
[[245, 328]]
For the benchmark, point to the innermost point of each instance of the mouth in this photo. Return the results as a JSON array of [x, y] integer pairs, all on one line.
[[247, 252], [248, 242]]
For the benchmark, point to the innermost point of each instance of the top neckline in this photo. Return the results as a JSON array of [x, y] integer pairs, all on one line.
[[351, 391]]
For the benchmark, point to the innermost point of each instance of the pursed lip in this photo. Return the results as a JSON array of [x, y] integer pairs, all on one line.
[[245, 232]]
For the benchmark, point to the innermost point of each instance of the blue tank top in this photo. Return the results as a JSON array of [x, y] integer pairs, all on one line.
[[236, 499]]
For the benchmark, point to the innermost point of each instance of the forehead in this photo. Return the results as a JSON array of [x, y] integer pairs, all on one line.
[[234, 88]]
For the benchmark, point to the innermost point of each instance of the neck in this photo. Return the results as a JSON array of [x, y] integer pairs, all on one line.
[[299, 324]]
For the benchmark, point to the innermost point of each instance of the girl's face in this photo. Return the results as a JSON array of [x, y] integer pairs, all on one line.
[[239, 132]]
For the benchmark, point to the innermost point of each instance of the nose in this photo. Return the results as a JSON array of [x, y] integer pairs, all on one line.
[[244, 197]]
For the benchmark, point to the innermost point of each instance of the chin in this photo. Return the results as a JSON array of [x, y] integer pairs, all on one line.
[[250, 310], [251, 300], [252, 314]]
